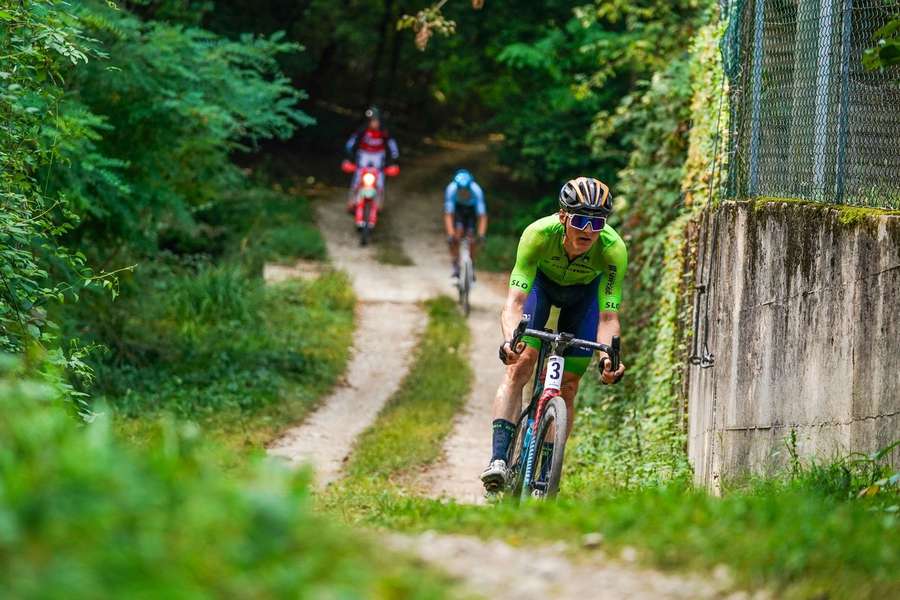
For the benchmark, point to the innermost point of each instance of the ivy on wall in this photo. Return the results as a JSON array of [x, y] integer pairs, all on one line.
[[633, 434]]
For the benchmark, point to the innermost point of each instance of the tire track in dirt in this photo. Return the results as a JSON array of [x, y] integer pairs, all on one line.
[[467, 449]]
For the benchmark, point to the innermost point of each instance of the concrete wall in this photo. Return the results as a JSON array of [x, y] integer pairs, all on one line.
[[805, 329]]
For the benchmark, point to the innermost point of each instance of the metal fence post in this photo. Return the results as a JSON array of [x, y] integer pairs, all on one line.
[[823, 85], [758, 24], [843, 114]]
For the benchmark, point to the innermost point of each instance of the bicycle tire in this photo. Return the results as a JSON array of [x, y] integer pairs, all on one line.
[[555, 413], [514, 457], [364, 232], [465, 287]]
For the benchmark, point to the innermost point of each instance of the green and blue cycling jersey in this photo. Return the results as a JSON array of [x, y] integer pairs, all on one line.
[[582, 287]]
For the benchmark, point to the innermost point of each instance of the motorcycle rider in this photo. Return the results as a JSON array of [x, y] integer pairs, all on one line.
[[372, 146]]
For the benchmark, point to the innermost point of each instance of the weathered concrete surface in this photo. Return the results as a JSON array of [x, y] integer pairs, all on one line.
[[805, 328]]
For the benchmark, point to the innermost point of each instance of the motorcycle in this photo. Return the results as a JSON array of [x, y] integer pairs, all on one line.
[[366, 197]]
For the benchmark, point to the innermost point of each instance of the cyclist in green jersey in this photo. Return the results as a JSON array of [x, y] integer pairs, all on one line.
[[572, 260]]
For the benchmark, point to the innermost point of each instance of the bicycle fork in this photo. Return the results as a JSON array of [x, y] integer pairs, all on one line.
[[552, 386]]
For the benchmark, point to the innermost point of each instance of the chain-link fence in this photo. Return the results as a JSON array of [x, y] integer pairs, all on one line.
[[808, 120]]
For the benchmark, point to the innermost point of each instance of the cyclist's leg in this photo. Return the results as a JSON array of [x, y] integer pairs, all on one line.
[[454, 245], [380, 197], [508, 400], [470, 226]]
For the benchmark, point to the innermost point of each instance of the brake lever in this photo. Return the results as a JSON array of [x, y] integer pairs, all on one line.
[[615, 350], [518, 334], [517, 337]]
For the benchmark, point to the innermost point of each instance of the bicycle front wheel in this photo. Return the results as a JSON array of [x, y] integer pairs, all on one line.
[[465, 286], [516, 456], [552, 427]]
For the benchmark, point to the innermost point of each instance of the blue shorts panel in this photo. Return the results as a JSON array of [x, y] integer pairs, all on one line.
[[579, 312]]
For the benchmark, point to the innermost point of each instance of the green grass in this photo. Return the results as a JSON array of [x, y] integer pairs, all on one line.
[[196, 333], [409, 431], [83, 515], [805, 534], [291, 241], [242, 359], [789, 537]]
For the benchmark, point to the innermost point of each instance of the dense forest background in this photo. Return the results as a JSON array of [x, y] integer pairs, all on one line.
[[156, 154], [134, 113], [159, 149]]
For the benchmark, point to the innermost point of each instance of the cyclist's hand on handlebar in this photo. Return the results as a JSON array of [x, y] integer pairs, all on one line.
[[607, 375], [510, 356]]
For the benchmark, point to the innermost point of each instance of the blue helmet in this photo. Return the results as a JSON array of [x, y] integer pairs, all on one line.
[[463, 178]]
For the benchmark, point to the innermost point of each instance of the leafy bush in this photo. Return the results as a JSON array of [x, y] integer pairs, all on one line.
[[82, 516], [216, 339], [37, 44], [633, 434], [117, 134], [175, 101]]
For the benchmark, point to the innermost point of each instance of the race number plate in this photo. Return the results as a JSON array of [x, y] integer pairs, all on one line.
[[554, 373]]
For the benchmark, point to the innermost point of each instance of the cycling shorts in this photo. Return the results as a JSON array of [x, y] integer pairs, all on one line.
[[579, 315], [465, 218]]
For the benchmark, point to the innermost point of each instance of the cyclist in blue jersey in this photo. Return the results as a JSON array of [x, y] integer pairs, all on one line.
[[465, 213]]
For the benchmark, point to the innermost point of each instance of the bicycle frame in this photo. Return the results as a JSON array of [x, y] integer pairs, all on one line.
[[553, 365], [550, 364]]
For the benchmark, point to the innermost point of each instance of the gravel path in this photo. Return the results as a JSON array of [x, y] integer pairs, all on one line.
[[494, 569]]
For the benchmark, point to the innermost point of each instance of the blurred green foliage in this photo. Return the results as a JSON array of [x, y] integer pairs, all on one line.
[[83, 516]]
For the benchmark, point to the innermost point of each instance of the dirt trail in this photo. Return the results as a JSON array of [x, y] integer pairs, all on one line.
[[325, 438], [494, 569], [467, 449], [389, 319]]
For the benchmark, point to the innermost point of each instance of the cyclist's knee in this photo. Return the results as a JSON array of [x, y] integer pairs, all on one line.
[[570, 384]]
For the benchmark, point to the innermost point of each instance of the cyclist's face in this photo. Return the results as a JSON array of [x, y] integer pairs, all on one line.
[[374, 124], [579, 240]]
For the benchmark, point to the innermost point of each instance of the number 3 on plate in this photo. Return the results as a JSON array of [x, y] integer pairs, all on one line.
[[554, 372]]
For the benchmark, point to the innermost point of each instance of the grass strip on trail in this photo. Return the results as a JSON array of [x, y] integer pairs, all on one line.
[[409, 431], [389, 246]]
